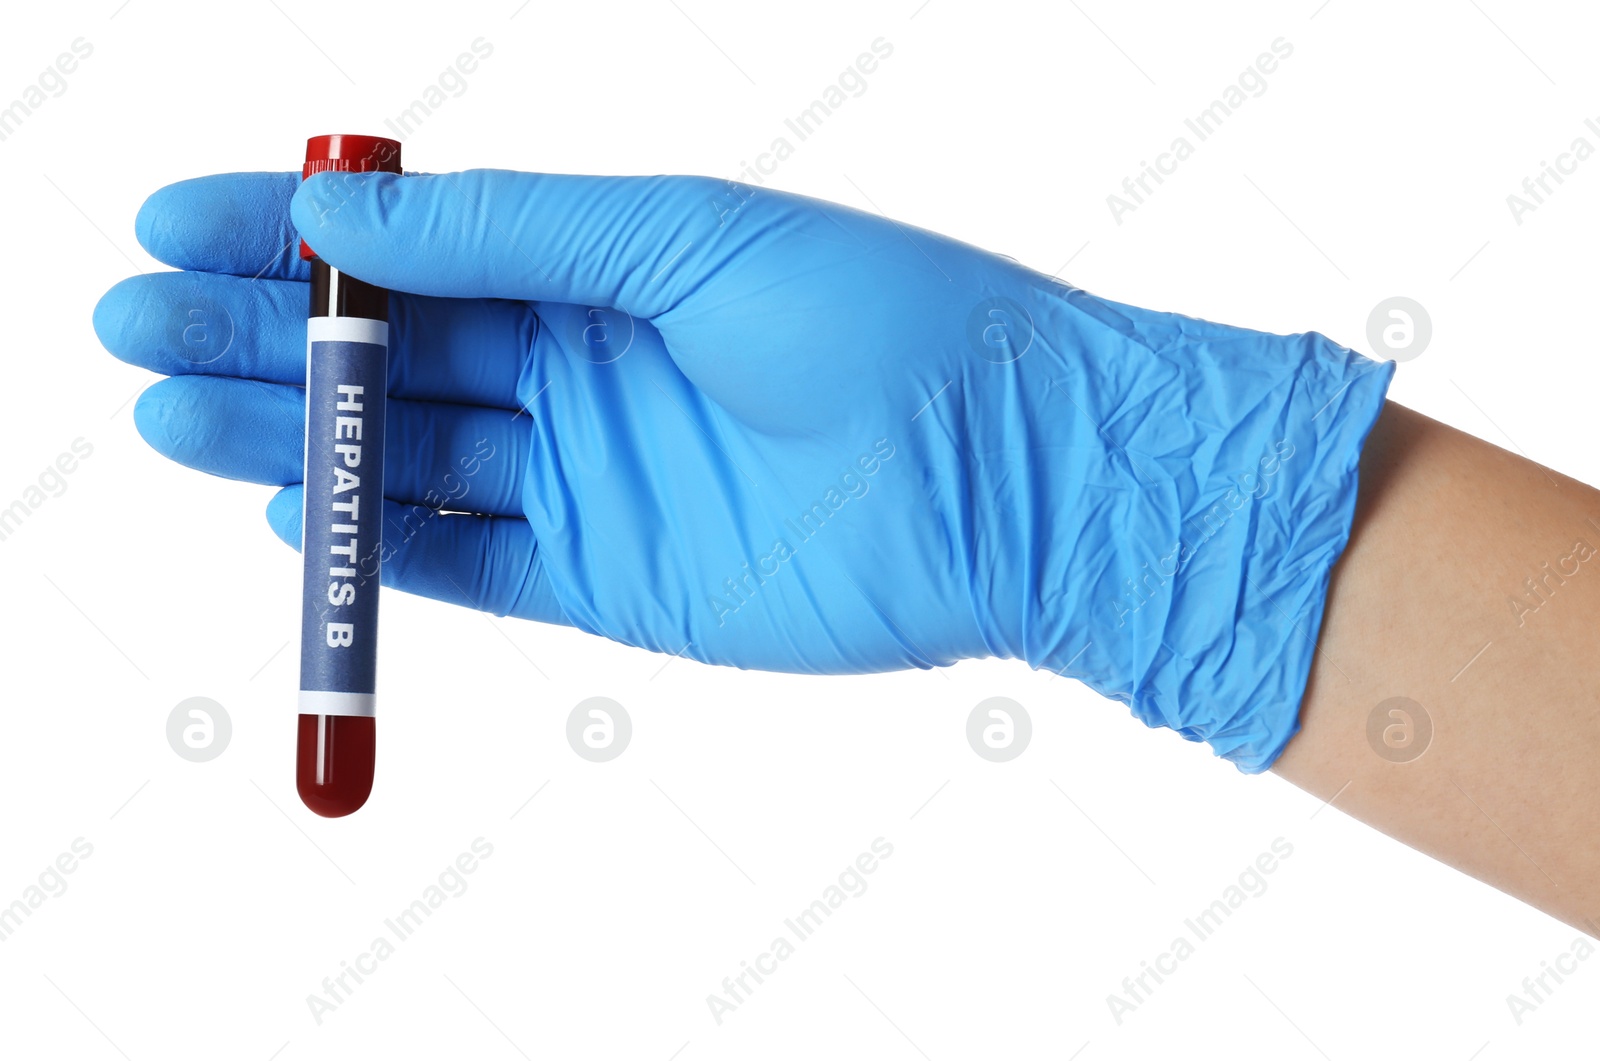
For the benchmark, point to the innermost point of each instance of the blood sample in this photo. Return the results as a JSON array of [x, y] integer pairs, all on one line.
[[347, 374]]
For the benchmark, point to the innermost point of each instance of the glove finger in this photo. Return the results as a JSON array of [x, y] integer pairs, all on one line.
[[468, 351], [456, 456], [640, 244], [490, 563], [225, 223]]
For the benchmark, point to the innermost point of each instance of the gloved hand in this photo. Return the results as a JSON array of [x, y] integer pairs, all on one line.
[[807, 438]]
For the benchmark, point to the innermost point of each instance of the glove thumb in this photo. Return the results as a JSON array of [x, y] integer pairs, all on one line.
[[637, 243]]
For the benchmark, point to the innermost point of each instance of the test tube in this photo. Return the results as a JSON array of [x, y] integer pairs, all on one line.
[[347, 375]]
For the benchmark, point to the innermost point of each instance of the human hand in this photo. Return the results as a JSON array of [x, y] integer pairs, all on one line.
[[806, 439]]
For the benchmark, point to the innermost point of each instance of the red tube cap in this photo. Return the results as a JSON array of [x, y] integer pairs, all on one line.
[[348, 153]]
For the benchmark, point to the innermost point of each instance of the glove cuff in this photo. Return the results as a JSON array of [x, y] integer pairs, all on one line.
[[1195, 594]]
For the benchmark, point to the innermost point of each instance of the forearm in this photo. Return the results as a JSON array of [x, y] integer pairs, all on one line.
[[1431, 602]]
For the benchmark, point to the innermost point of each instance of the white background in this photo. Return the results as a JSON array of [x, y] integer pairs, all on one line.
[[1376, 164]]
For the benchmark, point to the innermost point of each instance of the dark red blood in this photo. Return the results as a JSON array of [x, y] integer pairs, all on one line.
[[334, 762]]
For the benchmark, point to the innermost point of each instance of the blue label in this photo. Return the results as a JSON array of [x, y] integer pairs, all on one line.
[[343, 516]]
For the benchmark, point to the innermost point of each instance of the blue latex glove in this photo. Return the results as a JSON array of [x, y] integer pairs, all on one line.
[[809, 439]]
